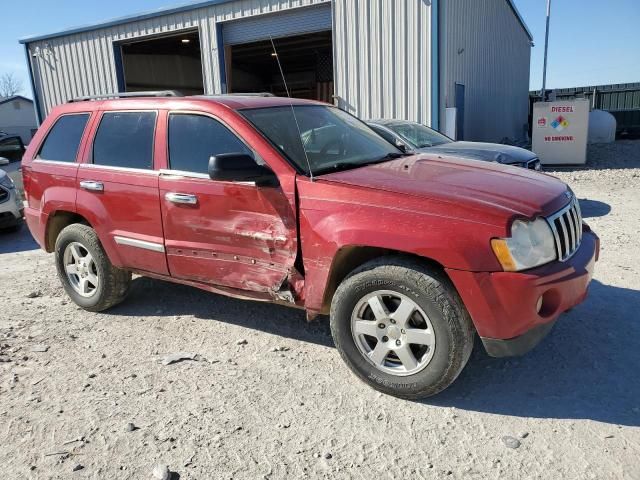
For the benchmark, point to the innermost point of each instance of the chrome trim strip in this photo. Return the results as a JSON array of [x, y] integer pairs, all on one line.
[[201, 176], [120, 169], [54, 162], [132, 242], [182, 173]]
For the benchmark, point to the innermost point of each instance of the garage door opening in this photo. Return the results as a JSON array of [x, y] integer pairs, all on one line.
[[165, 63], [307, 61]]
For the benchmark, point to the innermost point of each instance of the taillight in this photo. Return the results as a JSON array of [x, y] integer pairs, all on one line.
[[26, 180]]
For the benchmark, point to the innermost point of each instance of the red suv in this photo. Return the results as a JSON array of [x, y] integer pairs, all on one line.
[[300, 203]]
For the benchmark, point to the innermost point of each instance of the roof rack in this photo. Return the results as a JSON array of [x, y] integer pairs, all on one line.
[[249, 94], [159, 93]]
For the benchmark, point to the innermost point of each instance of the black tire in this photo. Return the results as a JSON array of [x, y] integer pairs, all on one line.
[[433, 292], [113, 282]]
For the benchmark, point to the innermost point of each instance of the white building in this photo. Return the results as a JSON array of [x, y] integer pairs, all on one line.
[[406, 59], [17, 117]]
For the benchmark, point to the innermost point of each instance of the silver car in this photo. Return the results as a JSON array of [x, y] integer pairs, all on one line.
[[413, 137], [11, 206]]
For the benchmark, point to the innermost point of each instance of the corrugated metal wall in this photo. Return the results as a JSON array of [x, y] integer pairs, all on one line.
[[622, 100], [292, 22], [488, 51], [383, 58], [613, 97], [83, 63]]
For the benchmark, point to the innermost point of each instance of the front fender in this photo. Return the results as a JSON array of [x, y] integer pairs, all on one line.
[[329, 225]]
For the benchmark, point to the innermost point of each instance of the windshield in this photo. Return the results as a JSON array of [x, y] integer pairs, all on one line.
[[333, 140], [418, 135]]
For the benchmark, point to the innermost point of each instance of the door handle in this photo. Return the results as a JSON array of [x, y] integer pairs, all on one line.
[[92, 185], [182, 198]]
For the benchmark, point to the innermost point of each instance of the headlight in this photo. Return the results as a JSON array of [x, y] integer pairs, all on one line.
[[531, 244], [7, 182]]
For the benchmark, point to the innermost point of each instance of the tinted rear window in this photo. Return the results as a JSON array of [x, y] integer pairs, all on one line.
[[63, 140], [125, 139]]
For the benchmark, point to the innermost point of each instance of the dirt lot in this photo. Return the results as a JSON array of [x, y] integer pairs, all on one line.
[[268, 396]]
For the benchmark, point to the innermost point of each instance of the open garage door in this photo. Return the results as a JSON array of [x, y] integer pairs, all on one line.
[[303, 39], [163, 63]]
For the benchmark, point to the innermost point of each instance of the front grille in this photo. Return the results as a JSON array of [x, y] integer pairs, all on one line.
[[4, 195], [566, 226]]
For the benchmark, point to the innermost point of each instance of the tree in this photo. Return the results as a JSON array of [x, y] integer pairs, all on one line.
[[9, 85]]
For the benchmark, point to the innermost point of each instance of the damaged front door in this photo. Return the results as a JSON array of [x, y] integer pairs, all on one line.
[[236, 235]]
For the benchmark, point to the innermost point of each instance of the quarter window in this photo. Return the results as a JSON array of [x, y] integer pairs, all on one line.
[[125, 139], [193, 139], [63, 140]]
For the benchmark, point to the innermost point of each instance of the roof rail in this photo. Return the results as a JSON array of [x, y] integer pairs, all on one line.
[[249, 94], [159, 93]]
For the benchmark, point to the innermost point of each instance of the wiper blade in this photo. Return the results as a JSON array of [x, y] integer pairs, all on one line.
[[338, 166], [390, 156]]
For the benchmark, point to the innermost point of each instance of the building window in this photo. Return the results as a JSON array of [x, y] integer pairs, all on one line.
[[64, 138], [125, 139], [193, 139]]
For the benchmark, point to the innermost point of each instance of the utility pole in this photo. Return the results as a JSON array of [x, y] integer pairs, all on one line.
[[543, 93]]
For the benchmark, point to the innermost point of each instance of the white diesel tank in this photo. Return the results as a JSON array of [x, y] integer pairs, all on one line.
[[602, 127]]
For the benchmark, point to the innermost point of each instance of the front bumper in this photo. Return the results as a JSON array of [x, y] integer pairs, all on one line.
[[504, 305]]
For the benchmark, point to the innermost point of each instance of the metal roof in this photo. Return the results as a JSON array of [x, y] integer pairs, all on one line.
[[176, 9], [126, 19], [15, 97]]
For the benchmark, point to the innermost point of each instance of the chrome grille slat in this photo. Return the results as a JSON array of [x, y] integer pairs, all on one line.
[[566, 226], [565, 233], [572, 229]]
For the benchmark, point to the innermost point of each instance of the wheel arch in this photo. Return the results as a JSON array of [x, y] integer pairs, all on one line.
[[350, 257], [56, 222]]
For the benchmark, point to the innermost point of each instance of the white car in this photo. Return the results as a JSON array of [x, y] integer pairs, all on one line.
[[11, 206]]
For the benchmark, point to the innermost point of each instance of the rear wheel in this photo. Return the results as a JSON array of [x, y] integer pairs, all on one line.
[[401, 327], [86, 273]]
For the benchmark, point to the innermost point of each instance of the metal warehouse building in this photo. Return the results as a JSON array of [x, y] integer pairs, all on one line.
[[405, 59]]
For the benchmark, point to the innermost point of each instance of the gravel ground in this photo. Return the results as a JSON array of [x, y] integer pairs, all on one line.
[[86, 395]]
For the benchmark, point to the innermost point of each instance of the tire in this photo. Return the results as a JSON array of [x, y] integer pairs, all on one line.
[[439, 324], [96, 284]]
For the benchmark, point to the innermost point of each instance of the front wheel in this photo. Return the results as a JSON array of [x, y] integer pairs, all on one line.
[[85, 271], [401, 327]]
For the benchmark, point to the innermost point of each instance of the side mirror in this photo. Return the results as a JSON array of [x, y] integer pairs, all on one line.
[[240, 167], [401, 146], [4, 162]]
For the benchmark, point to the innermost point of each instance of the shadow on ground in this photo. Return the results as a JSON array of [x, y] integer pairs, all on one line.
[[150, 297], [593, 208], [17, 241], [586, 368]]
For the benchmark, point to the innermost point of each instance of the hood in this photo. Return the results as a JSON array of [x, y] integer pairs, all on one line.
[[501, 189], [490, 152]]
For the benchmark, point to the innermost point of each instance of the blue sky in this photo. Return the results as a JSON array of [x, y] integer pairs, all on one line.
[[591, 42]]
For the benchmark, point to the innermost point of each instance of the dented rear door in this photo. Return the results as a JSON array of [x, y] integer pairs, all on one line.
[[231, 234]]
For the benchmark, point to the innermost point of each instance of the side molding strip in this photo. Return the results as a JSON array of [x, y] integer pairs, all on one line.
[[132, 242]]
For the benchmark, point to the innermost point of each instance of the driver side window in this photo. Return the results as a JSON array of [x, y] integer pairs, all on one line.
[[193, 139]]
